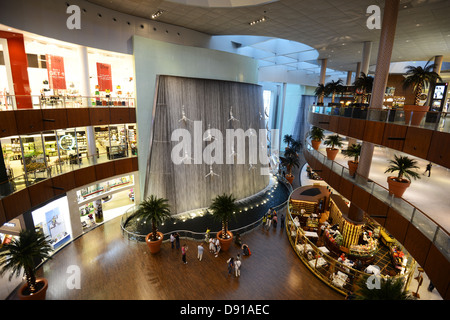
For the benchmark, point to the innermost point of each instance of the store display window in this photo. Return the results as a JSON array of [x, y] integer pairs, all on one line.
[[53, 219]]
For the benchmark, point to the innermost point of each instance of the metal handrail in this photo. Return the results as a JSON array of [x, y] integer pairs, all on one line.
[[436, 234], [395, 116], [9, 102]]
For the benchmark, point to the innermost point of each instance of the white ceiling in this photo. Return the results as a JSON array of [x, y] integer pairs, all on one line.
[[335, 28]]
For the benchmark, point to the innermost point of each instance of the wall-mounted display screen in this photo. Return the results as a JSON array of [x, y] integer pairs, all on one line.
[[53, 220]]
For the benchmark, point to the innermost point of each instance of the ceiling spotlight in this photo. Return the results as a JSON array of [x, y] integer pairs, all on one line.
[[263, 19], [157, 14]]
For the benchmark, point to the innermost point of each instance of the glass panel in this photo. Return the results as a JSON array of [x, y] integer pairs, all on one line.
[[34, 162], [442, 242], [424, 224]]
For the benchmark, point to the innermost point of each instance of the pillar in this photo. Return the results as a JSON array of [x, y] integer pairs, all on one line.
[[358, 70], [323, 72], [349, 78], [387, 36], [85, 92], [367, 48], [438, 64]]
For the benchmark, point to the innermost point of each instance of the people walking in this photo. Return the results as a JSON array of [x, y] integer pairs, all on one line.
[[282, 221], [184, 249], [200, 252], [172, 240], [237, 268], [275, 221], [212, 245], [207, 235], [428, 169], [230, 264], [177, 240], [217, 248]]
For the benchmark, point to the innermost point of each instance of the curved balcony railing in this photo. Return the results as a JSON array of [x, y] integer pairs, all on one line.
[[334, 273], [41, 171], [9, 102], [426, 225], [200, 236], [437, 121]]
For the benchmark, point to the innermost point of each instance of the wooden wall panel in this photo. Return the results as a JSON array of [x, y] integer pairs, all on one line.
[[104, 170], [314, 119], [440, 276], [54, 119], [41, 192], [119, 115], [2, 213], [374, 132], [84, 176], [132, 112], [417, 142], [417, 244], [379, 209], [334, 180], [325, 173], [78, 117], [360, 197], [135, 164], [334, 123], [63, 183], [323, 121], [29, 121], [123, 166], [396, 225], [439, 151], [346, 188], [356, 128], [8, 125], [344, 124], [99, 116], [394, 136], [16, 204]]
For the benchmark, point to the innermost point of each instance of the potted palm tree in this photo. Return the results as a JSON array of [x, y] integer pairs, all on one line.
[[20, 255], [334, 87], [316, 135], [223, 208], [288, 139], [418, 78], [333, 142], [320, 92], [290, 160], [354, 151], [153, 210], [363, 85], [404, 166]]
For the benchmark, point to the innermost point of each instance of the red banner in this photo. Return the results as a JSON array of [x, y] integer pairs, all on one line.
[[56, 74], [104, 77]]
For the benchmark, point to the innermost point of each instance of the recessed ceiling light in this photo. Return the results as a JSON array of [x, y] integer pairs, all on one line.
[[263, 19], [157, 14]]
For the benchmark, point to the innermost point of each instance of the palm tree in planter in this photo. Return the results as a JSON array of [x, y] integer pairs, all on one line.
[[223, 208], [404, 166], [320, 92], [354, 151], [418, 78], [332, 142], [316, 135], [20, 255], [290, 160], [363, 85], [153, 210], [288, 139], [334, 87]]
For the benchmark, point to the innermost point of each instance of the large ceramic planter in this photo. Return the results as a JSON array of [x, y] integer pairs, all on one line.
[[415, 113], [289, 177], [332, 153], [154, 246], [315, 144], [39, 295], [352, 167], [225, 243], [397, 187]]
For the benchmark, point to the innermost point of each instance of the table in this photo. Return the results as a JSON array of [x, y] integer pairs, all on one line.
[[311, 234], [324, 250]]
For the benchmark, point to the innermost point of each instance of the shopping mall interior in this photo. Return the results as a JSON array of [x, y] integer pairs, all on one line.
[[247, 98]]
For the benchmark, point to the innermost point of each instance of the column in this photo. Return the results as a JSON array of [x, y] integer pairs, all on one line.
[[85, 92], [438, 64], [349, 78], [323, 72], [358, 70], [367, 48], [387, 35]]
